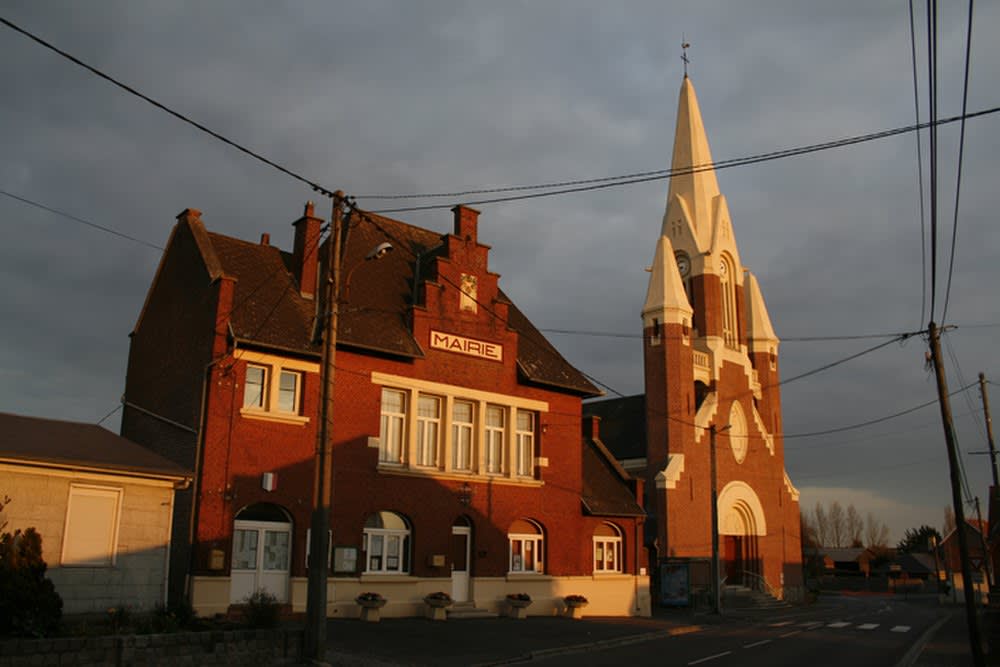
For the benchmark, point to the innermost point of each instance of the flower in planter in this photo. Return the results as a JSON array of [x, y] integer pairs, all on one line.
[[369, 597], [439, 596], [519, 597], [575, 599]]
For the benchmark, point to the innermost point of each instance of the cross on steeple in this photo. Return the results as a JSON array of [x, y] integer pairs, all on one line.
[[684, 54]]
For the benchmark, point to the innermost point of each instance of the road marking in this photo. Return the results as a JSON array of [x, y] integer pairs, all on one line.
[[901, 628], [811, 625], [711, 657], [760, 643], [838, 624], [781, 624], [868, 626], [790, 634]]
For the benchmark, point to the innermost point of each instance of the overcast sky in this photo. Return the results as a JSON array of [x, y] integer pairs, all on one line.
[[403, 97]]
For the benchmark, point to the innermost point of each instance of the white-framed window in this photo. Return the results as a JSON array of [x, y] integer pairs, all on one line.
[[525, 546], [607, 548], [525, 435], [495, 439], [289, 391], [273, 388], [386, 544], [255, 387], [462, 421], [428, 429], [393, 426], [90, 536], [439, 430]]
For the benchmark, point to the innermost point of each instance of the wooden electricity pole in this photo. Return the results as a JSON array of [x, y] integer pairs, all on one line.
[[975, 640], [716, 593], [319, 541], [989, 428]]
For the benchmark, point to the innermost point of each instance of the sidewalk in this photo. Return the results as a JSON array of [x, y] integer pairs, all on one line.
[[949, 645], [492, 641]]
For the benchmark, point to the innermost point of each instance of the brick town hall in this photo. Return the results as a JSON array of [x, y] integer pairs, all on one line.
[[711, 363]]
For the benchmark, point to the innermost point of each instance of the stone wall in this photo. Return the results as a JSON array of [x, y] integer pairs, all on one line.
[[253, 648]]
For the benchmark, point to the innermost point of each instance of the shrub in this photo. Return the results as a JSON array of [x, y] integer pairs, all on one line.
[[575, 599], [29, 604], [520, 597], [439, 596], [261, 610]]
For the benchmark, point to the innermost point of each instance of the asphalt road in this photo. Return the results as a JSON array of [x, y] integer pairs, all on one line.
[[857, 632]]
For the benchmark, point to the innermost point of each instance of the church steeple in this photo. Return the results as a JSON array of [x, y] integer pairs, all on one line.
[[697, 190]]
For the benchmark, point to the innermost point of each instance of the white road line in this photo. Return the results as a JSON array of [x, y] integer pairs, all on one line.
[[781, 624], [812, 625], [790, 634], [711, 657], [760, 643], [901, 628], [868, 626], [838, 624]]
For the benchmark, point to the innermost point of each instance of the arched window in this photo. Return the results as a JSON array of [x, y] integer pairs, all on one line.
[[727, 279], [526, 542], [739, 437], [607, 548], [387, 543]]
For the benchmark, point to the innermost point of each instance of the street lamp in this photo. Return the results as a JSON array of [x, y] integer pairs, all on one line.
[[716, 592], [319, 541]]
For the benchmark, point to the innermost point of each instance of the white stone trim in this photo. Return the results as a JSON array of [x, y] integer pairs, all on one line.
[[669, 476]]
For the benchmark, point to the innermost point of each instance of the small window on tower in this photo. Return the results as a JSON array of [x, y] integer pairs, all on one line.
[[654, 334]]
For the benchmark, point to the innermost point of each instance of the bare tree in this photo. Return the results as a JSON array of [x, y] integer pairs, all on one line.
[[876, 533], [949, 520], [822, 525], [855, 527], [838, 524]]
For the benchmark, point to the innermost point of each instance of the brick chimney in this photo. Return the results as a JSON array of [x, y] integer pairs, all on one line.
[[304, 258], [466, 220], [592, 427]]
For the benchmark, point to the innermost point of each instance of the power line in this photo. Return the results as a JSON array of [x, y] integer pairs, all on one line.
[[645, 177], [961, 153], [932, 92], [163, 107], [790, 339], [871, 422], [79, 220]]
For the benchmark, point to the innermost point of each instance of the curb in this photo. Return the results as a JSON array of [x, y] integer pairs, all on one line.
[[594, 646], [914, 652]]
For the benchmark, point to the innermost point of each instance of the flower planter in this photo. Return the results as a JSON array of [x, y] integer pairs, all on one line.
[[437, 608], [517, 608], [370, 610], [574, 608]]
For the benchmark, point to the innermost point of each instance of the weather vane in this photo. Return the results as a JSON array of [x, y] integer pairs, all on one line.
[[684, 54]]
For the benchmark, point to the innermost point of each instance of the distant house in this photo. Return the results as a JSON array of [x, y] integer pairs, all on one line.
[[847, 560], [975, 532], [101, 503]]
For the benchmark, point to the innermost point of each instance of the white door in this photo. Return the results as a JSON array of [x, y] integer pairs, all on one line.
[[261, 552], [461, 547]]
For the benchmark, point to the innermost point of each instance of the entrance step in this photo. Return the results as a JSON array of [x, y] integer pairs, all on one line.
[[742, 597], [464, 610]]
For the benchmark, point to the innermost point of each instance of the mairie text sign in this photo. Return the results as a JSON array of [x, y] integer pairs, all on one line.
[[469, 346]]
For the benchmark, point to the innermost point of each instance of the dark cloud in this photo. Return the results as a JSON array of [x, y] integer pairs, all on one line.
[[416, 97]]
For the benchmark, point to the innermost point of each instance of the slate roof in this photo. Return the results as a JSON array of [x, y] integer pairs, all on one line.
[[605, 488], [623, 425], [77, 445], [270, 311]]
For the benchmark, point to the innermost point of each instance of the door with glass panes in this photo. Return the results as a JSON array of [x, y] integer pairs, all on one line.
[[261, 551]]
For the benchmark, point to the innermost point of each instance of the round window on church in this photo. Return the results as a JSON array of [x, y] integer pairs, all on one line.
[[738, 437]]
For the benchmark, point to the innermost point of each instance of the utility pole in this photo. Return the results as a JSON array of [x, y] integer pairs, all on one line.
[[319, 541], [716, 589], [989, 428], [975, 640], [986, 549]]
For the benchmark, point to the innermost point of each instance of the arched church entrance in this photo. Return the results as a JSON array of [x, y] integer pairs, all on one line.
[[741, 524]]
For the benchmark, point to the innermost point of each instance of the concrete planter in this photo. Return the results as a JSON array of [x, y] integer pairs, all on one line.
[[518, 608]]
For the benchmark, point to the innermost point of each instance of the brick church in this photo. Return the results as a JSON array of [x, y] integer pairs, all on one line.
[[711, 364]]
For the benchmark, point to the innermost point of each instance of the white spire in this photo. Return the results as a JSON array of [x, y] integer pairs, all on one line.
[[700, 188], [759, 329], [666, 299]]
